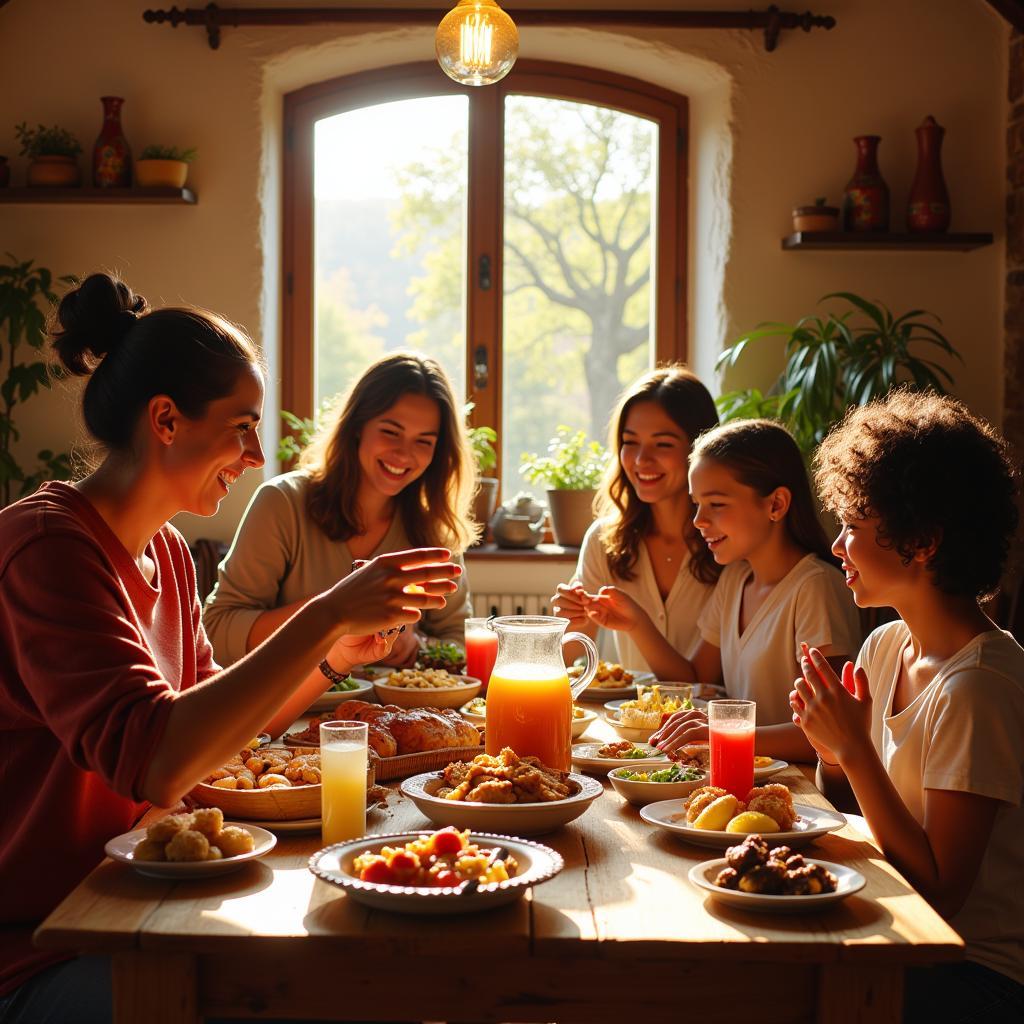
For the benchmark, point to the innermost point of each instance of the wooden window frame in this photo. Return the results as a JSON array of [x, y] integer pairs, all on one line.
[[303, 108]]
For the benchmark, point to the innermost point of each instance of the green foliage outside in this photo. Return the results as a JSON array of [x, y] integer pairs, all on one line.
[[572, 462], [168, 153], [21, 320], [43, 141], [834, 361]]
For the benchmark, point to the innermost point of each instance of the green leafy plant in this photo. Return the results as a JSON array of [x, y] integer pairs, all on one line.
[[482, 441], [21, 319], [572, 462], [833, 362], [43, 141], [168, 153]]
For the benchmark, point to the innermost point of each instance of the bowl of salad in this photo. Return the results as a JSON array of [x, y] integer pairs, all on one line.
[[643, 784]]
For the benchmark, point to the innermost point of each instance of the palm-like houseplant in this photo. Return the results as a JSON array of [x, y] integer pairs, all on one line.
[[833, 363]]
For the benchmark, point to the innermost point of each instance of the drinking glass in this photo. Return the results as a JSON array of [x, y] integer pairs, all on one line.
[[343, 780], [731, 725], [481, 651]]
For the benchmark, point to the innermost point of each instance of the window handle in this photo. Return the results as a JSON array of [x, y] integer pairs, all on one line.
[[481, 372], [483, 275]]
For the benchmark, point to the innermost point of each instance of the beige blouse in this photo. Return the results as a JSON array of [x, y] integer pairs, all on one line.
[[279, 556]]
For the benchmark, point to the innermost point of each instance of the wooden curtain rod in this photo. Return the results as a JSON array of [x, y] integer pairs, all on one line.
[[213, 18]]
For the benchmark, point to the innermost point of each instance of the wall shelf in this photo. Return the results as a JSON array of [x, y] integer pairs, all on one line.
[[886, 240], [46, 194]]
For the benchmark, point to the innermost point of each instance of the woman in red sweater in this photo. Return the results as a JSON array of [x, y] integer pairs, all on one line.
[[110, 699]]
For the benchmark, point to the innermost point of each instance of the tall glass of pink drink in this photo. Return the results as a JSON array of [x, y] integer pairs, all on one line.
[[481, 651], [731, 725]]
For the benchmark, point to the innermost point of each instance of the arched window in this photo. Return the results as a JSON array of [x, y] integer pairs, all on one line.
[[529, 235]]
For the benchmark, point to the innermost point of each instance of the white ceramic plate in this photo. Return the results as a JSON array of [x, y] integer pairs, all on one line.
[[537, 864], [121, 847], [297, 827], [703, 875], [330, 700], [514, 819], [603, 693], [812, 823], [759, 773], [585, 756], [641, 793], [580, 724]]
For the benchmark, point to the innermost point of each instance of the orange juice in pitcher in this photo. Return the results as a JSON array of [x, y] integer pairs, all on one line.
[[529, 700]]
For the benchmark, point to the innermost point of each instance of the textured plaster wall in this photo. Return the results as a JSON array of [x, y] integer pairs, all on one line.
[[767, 131]]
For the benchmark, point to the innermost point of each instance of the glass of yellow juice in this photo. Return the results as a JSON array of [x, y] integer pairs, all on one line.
[[343, 780]]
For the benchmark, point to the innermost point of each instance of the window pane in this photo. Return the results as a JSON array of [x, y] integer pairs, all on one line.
[[390, 187], [578, 273]]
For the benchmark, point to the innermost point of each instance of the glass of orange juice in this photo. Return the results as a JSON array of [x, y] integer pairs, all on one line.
[[343, 780], [529, 700]]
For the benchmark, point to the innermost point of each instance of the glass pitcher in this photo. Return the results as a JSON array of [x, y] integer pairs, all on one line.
[[529, 699]]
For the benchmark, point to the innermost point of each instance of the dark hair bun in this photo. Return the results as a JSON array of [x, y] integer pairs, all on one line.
[[92, 321]]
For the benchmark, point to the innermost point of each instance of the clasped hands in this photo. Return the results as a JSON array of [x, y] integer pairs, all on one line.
[[610, 607]]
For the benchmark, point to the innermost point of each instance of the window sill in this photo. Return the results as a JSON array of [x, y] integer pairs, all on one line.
[[541, 553]]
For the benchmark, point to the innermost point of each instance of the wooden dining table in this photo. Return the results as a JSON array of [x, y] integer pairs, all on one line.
[[619, 934]]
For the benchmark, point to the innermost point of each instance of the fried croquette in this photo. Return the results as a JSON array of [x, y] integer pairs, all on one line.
[[747, 854], [766, 879], [148, 849], [701, 798], [188, 845], [774, 800], [234, 840], [164, 830], [273, 781], [727, 878], [208, 820]]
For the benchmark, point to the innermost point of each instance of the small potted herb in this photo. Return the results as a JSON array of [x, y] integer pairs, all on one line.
[[163, 167], [571, 471], [52, 154]]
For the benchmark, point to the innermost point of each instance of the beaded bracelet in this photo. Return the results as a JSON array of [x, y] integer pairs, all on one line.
[[333, 674]]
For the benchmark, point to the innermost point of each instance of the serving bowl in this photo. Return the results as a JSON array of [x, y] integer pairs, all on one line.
[[532, 819], [580, 722], [332, 698], [642, 793], [334, 865], [433, 697]]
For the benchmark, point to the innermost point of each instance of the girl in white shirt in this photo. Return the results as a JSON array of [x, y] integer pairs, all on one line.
[[644, 541], [755, 511], [928, 730]]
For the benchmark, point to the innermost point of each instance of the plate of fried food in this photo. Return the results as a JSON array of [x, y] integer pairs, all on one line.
[[714, 818], [611, 680], [475, 711], [444, 872], [698, 755], [600, 757], [756, 875], [503, 793], [426, 688], [191, 845]]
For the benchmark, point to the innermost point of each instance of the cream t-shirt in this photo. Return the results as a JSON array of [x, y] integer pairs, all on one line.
[[675, 617], [811, 603], [965, 733]]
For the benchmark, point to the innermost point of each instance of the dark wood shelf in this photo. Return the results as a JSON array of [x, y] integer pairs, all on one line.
[[887, 240], [48, 194], [542, 552]]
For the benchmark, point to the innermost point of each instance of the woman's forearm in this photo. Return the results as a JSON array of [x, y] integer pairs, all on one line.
[[270, 621], [785, 741]]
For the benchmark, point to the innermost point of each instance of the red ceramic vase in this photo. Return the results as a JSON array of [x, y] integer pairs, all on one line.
[[866, 199], [111, 155], [928, 203]]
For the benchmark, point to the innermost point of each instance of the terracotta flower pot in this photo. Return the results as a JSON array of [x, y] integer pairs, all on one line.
[[55, 171], [485, 500], [572, 513], [161, 173]]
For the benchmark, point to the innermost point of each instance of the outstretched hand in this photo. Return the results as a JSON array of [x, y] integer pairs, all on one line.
[[834, 713]]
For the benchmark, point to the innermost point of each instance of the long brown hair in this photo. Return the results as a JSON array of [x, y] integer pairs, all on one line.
[[628, 519], [435, 507], [763, 455]]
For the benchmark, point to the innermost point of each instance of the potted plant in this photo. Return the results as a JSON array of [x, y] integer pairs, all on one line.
[[52, 154], [833, 362], [163, 167], [571, 471], [482, 441], [21, 319]]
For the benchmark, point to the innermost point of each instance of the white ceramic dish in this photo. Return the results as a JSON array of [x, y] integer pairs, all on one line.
[[703, 875], [580, 723], [330, 700], [642, 793], [537, 864], [513, 819], [298, 827], [813, 822], [603, 693], [121, 848], [586, 758], [434, 697]]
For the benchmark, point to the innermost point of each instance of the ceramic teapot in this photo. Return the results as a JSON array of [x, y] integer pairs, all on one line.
[[518, 523]]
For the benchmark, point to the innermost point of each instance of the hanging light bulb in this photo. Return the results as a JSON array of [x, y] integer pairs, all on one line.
[[477, 43]]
